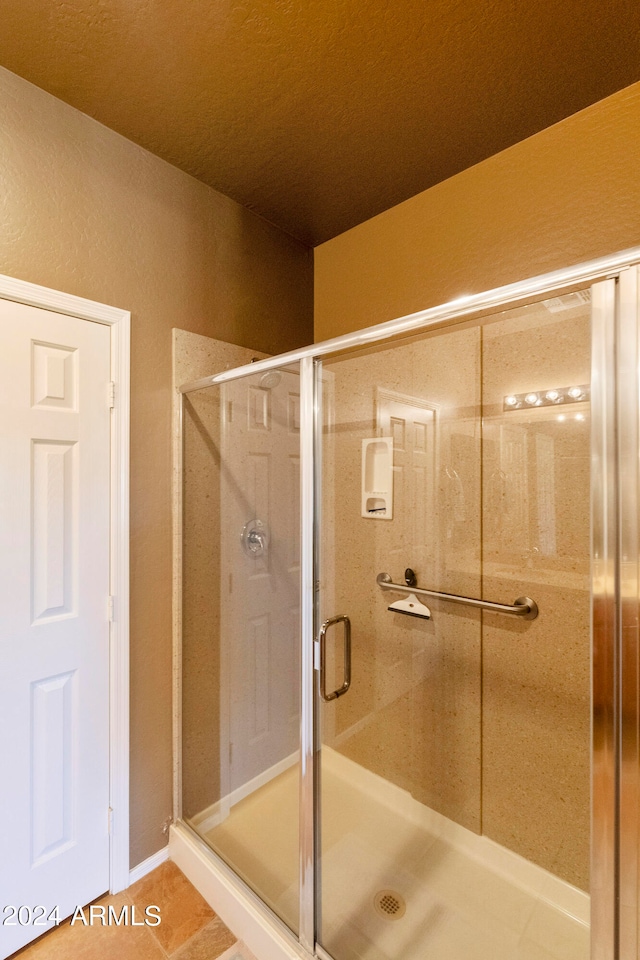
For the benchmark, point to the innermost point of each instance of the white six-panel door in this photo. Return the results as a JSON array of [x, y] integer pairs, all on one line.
[[54, 630]]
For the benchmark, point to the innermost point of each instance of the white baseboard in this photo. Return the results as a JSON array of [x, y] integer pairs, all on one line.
[[148, 865], [214, 814]]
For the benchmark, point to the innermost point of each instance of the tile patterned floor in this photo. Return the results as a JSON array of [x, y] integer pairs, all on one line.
[[189, 929]]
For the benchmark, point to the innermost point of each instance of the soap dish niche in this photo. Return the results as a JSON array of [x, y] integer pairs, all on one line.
[[377, 478]]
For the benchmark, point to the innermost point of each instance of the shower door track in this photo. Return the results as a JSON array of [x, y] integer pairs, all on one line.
[[187, 846]]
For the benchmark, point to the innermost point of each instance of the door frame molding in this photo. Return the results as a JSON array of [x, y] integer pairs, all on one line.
[[119, 322]]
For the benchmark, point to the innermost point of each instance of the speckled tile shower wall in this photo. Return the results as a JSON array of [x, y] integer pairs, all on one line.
[[413, 712], [485, 719], [536, 686]]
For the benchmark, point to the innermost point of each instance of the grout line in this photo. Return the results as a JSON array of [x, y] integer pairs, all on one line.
[[197, 933], [235, 950], [156, 941], [189, 939]]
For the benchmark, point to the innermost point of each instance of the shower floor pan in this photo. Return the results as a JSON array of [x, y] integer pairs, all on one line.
[[400, 882]]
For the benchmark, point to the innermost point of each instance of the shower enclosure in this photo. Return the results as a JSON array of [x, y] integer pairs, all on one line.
[[454, 775]]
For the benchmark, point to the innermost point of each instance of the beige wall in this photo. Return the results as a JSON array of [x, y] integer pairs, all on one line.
[[568, 194], [87, 212]]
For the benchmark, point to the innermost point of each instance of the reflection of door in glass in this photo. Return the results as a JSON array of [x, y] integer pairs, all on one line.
[[260, 578], [411, 422], [241, 628]]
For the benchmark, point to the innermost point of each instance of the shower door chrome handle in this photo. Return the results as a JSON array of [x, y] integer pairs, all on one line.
[[346, 623]]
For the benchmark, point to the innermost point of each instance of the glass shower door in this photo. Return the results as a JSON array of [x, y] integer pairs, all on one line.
[[453, 773], [241, 599]]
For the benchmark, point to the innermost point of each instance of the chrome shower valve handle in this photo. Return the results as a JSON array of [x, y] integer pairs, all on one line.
[[255, 538]]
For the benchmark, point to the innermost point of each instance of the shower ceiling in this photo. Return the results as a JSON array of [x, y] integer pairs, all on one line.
[[319, 114]]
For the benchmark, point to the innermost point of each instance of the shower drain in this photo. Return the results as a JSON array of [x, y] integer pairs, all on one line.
[[389, 904]]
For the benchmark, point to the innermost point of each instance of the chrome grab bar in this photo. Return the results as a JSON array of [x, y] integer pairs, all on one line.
[[323, 657], [523, 607]]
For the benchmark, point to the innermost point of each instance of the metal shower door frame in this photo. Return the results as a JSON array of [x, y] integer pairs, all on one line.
[[622, 895], [615, 587], [615, 596], [615, 499]]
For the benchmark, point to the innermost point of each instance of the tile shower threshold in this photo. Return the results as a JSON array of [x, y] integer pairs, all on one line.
[[231, 898]]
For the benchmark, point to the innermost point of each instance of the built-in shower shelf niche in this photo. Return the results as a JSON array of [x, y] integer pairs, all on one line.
[[377, 478]]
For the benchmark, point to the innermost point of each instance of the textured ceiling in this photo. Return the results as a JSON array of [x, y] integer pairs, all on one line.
[[318, 114]]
